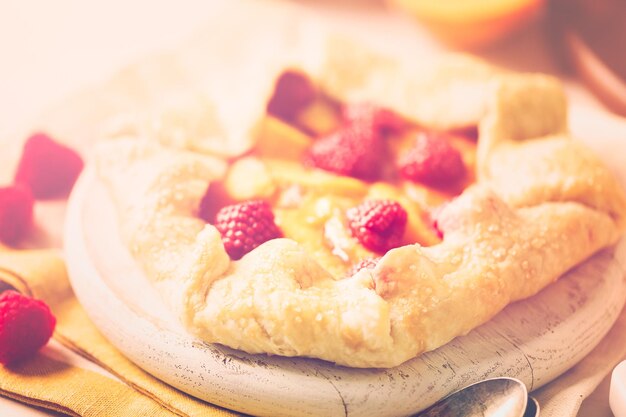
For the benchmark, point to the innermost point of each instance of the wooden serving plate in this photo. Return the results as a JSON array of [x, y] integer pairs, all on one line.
[[534, 340]]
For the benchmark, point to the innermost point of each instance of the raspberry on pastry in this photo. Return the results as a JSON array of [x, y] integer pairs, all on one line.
[[378, 224], [355, 150], [293, 92], [26, 325], [48, 168], [244, 226], [432, 160]]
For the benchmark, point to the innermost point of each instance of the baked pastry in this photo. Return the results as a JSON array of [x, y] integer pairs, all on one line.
[[352, 214]]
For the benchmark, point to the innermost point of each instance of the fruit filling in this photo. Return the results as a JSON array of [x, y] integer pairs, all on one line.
[[348, 181]]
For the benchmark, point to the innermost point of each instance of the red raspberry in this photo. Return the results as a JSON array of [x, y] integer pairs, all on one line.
[[367, 263], [26, 325], [432, 161], [355, 150], [378, 224], [244, 226], [48, 168], [382, 120], [292, 93], [16, 213]]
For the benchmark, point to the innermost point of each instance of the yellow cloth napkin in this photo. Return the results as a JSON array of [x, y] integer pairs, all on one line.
[[55, 385]]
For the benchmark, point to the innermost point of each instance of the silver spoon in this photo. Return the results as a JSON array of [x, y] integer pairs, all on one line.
[[532, 407], [502, 397]]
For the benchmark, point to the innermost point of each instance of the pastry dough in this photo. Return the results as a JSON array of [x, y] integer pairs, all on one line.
[[541, 205]]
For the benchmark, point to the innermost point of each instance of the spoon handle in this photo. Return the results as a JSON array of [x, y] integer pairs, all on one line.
[[532, 407]]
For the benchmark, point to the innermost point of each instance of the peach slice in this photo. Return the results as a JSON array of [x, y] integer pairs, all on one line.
[[248, 178], [277, 139], [286, 173]]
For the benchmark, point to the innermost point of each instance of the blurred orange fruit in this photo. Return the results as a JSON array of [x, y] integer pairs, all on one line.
[[472, 23]]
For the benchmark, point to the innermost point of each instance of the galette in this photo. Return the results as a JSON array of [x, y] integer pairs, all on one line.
[[360, 210]]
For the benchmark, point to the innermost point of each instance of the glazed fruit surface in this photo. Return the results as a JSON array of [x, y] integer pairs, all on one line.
[[348, 181]]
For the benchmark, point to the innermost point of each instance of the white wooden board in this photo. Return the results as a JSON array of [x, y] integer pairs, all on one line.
[[534, 340]]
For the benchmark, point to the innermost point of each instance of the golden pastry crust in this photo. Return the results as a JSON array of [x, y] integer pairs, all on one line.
[[542, 204], [524, 141], [447, 92]]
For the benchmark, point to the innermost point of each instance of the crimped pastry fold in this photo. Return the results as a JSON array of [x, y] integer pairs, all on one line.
[[542, 204]]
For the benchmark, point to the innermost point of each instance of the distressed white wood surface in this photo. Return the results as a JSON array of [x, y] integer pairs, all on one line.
[[534, 340]]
